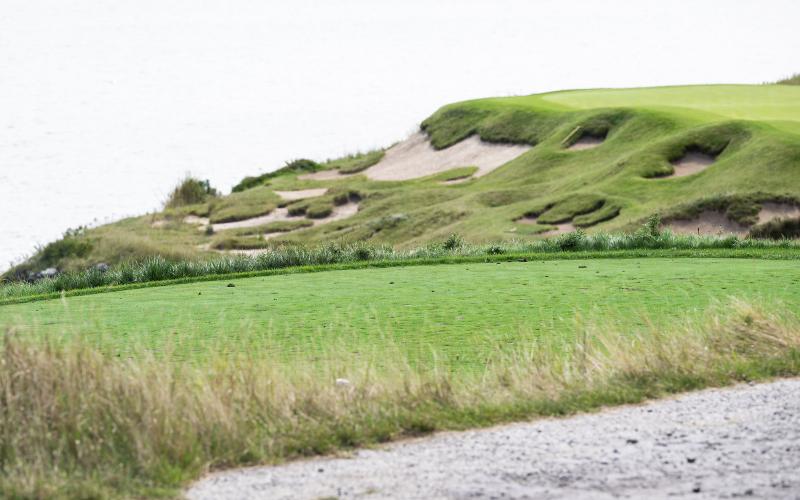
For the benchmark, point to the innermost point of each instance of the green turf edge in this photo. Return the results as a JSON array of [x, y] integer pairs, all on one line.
[[730, 253]]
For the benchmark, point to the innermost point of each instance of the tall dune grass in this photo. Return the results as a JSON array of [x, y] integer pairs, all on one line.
[[78, 423]]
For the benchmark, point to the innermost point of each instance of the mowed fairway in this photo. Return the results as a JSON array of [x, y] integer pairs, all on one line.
[[460, 313]]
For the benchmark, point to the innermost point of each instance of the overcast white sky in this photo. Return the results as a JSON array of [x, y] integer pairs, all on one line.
[[105, 104]]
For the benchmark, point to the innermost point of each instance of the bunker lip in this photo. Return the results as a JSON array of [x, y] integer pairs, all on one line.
[[586, 141], [560, 228], [415, 157]]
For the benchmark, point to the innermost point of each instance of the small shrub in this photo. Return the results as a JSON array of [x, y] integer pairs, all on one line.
[[190, 191], [653, 225], [453, 242], [209, 231], [571, 241], [73, 244], [495, 250]]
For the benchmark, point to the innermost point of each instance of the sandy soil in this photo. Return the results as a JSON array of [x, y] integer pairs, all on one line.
[[193, 219], [301, 194], [737, 442], [691, 163], [586, 142], [770, 211], [415, 157], [709, 222], [715, 223], [564, 227]]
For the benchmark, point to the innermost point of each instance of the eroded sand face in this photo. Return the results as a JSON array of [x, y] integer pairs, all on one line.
[[707, 223], [770, 211], [691, 163], [586, 142], [415, 157], [301, 194], [716, 223]]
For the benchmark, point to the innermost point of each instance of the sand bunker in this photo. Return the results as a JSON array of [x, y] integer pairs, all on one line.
[[586, 142], [691, 163], [771, 211], [562, 228], [301, 194], [708, 223], [415, 157], [193, 219]]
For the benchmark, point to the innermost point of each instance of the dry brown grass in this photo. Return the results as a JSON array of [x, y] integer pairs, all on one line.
[[76, 422]]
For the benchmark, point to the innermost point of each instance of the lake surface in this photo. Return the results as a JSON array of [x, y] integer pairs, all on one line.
[[104, 106]]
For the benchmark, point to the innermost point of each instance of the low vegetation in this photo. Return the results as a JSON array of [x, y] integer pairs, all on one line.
[[190, 191], [157, 269], [80, 423]]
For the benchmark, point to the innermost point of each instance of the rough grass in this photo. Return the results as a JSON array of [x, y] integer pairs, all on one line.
[[79, 423], [244, 205], [175, 267], [355, 163], [792, 80]]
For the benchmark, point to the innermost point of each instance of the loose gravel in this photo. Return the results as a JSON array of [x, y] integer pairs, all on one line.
[[724, 443]]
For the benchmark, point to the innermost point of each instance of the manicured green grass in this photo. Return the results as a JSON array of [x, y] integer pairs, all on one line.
[[706, 102], [463, 312]]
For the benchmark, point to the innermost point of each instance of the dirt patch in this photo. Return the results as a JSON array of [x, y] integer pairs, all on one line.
[[586, 142], [301, 194], [691, 163], [415, 157], [707, 223], [771, 211]]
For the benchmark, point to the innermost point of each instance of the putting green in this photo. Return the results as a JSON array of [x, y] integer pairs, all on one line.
[[463, 312], [769, 103]]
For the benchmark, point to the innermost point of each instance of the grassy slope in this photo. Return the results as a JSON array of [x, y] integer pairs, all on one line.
[[465, 313], [752, 126]]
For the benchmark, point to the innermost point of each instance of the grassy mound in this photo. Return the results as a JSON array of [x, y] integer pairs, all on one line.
[[753, 132]]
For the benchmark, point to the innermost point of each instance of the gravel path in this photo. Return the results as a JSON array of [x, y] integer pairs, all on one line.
[[739, 442]]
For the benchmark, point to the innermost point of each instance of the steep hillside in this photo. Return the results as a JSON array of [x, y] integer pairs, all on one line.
[[720, 158]]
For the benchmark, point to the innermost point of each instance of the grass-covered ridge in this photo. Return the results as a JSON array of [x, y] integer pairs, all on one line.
[[750, 130]]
